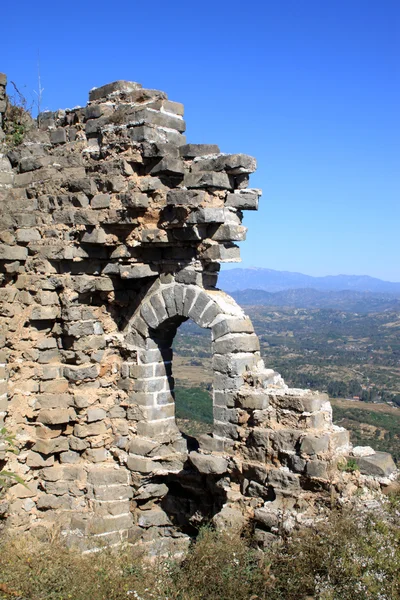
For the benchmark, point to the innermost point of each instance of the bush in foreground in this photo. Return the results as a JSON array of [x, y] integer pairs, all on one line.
[[347, 557]]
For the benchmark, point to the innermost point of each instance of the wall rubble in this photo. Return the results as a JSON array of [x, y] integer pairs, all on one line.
[[113, 230]]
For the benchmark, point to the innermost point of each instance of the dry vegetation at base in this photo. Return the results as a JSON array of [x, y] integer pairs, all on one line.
[[347, 557]]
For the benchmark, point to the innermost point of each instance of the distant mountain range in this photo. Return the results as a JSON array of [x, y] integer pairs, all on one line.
[[345, 300], [269, 280]]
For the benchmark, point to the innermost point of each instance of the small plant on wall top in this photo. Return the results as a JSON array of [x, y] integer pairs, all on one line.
[[349, 466], [17, 119]]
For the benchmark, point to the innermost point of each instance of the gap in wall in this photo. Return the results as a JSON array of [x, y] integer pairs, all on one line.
[[192, 371]]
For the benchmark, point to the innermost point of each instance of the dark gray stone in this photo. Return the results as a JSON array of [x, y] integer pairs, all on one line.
[[380, 464], [193, 150]]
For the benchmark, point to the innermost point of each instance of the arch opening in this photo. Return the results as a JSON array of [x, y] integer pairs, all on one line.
[[193, 380]]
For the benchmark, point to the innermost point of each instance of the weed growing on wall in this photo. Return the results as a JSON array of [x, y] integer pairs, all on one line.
[[6, 446], [17, 119]]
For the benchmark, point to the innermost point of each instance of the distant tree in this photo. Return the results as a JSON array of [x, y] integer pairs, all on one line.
[[354, 388], [396, 399], [338, 389]]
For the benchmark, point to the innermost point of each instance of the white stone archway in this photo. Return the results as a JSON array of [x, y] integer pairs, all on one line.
[[235, 351]]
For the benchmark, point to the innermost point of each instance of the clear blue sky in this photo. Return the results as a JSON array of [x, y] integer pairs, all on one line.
[[310, 88]]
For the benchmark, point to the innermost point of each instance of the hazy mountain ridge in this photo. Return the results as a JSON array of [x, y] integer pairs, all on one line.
[[347, 300], [269, 280]]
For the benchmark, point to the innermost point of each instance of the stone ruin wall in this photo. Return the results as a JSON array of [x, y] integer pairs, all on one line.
[[112, 234]]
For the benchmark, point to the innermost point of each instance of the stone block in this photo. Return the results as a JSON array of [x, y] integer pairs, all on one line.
[[339, 440], [227, 233], [236, 342], [312, 444], [283, 480], [208, 179], [13, 252], [100, 201], [83, 431], [167, 397], [153, 133], [118, 507], [114, 493], [56, 416], [153, 518], [222, 381], [96, 455], [222, 252], [208, 464], [28, 235], [142, 446], [159, 119], [161, 431], [44, 313], [112, 89], [96, 414], [380, 464], [141, 464], [243, 199], [231, 325], [95, 236], [51, 446], [20, 490], [169, 301], [50, 502], [49, 356], [189, 198], [190, 298], [93, 111], [285, 441], [57, 488], [101, 525], [207, 215], [225, 398], [234, 164], [159, 412], [152, 490], [34, 460], [252, 399], [102, 476], [234, 364], [137, 271], [134, 200], [189, 151], [313, 401], [70, 457], [169, 166], [50, 400], [209, 315], [158, 306], [317, 469], [266, 518], [64, 472], [198, 307], [58, 136], [81, 373]]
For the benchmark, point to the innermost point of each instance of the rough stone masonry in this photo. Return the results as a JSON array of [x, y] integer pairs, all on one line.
[[112, 233]]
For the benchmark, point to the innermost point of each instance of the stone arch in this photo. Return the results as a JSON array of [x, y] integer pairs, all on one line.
[[235, 352]]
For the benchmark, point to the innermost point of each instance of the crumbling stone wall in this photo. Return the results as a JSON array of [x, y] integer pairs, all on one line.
[[112, 234]]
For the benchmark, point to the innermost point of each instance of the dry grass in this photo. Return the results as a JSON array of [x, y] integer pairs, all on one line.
[[348, 557]]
